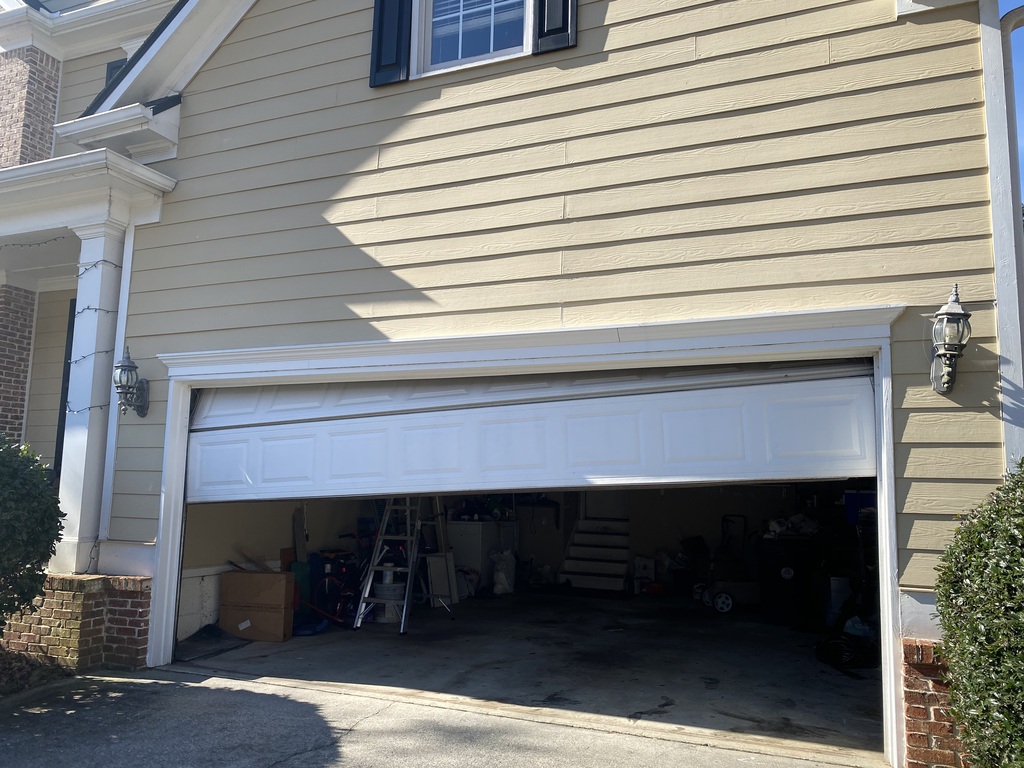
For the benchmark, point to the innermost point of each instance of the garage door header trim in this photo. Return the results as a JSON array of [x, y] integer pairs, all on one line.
[[804, 335]]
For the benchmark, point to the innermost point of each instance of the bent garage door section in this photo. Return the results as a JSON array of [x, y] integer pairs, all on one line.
[[652, 427]]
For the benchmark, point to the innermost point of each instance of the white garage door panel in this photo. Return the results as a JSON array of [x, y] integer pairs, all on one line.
[[705, 435], [814, 429], [359, 454], [603, 438], [837, 431]]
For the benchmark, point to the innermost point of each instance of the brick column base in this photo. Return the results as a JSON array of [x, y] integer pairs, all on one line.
[[84, 622], [931, 733]]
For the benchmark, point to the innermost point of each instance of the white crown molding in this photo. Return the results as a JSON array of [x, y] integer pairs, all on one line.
[[98, 28], [807, 334], [78, 190]]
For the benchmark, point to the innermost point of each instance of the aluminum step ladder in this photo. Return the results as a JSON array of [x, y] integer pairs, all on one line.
[[401, 527], [399, 535]]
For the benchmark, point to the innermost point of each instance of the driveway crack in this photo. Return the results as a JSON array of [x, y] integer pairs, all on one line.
[[326, 745], [331, 742], [364, 718]]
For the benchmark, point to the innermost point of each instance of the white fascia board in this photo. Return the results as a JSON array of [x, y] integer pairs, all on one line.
[[125, 130], [904, 7], [806, 335], [175, 57], [91, 30], [90, 187], [18, 180]]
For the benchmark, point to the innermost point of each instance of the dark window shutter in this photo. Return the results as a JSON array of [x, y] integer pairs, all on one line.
[[389, 51], [556, 25]]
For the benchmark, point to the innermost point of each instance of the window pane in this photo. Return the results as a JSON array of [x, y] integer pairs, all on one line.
[[463, 29], [508, 26], [476, 33], [444, 40]]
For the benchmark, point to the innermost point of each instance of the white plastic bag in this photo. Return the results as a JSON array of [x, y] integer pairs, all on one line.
[[504, 572]]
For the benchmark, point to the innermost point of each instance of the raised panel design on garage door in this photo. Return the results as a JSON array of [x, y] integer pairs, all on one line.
[[801, 430]]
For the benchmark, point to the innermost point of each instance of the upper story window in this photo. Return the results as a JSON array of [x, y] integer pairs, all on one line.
[[456, 32], [419, 37]]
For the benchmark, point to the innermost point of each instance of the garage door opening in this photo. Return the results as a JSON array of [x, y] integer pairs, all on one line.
[[747, 608]]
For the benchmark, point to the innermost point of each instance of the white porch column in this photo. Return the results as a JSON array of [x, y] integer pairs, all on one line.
[[89, 394]]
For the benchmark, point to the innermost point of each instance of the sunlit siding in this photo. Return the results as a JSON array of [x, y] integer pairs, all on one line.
[[686, 160]]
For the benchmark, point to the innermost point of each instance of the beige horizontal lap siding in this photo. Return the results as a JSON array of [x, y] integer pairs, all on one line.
[[687, 159], [81, 81], [138, 475], [47, 371]]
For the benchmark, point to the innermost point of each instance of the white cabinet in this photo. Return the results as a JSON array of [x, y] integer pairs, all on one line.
[[472, 543]]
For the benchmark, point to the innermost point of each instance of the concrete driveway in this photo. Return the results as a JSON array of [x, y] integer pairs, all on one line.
[[187, 718], [521, 682]]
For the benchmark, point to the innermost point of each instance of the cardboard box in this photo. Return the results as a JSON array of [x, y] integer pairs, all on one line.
[[257, 606]]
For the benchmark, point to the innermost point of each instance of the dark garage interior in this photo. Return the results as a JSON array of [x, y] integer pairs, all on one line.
[[744, 609]]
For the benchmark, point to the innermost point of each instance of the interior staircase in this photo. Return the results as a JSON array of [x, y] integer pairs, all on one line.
[[598, 552]]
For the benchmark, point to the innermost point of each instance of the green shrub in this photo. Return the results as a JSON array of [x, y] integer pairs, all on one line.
[[980, 599], [30, 526]]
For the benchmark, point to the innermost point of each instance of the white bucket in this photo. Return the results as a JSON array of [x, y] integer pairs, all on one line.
[[388, 614]]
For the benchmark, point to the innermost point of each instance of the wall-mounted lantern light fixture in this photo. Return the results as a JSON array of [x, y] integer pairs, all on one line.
[[950, 333], [132, 392]]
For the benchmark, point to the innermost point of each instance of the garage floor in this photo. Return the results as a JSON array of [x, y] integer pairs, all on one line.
[[664, 663]]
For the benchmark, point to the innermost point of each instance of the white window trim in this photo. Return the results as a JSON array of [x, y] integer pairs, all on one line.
[[419, 51]]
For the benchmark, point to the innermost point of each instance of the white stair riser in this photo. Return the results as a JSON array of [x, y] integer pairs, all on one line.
[[608, 514], [594, 566], [602, 526], [608, 554]]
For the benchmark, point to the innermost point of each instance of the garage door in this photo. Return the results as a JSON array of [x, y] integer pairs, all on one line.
[[568, 430]]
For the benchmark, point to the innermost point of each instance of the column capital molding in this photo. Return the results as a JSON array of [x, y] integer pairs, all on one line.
[[109, 228]]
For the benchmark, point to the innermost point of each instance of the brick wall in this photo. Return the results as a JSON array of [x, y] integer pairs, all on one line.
[[931, 732], [84, 622], [17, 314], [29, 82]]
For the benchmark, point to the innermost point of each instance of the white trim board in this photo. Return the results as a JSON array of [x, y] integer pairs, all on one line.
[[809, 335], [179, 52], [862, 331], [1007, 232]]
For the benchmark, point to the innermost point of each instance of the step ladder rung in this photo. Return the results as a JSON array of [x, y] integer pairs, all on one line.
[[402, 512]]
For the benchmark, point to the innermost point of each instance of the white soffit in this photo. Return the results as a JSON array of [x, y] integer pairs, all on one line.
[[178, 53], [135, 131], [903, 7], [783, 431]]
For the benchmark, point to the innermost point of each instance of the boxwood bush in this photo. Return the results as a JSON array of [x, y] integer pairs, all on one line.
[[30, 526], [980, 600]]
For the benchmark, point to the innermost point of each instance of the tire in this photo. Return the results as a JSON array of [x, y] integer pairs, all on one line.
[[723, 602], [705, 597]]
